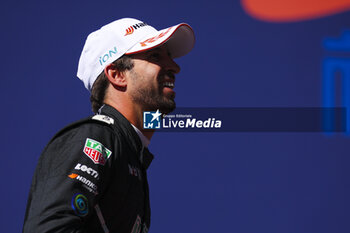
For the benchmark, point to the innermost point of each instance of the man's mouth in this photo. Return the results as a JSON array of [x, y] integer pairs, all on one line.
[[169, 85]]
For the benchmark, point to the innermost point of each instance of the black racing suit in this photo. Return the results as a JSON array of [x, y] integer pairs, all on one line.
[[91, 177]]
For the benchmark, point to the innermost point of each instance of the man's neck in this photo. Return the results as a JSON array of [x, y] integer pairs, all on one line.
[[134, 115]]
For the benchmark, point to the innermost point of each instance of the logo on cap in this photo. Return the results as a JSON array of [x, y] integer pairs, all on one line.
[[130, 30], [103, 59], [155, 38]]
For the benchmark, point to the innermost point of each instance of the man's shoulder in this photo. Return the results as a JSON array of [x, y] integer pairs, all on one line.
[[95, 121], [97, 125]]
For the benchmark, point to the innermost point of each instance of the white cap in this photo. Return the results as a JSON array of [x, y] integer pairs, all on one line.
[[128, 36]]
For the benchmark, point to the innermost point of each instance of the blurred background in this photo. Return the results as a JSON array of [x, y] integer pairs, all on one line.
[[248, 53]]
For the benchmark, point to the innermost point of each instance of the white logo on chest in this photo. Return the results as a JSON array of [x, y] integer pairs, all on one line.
[[134, 171]]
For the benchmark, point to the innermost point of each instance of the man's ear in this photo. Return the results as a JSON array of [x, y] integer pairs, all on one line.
[[115, 77]]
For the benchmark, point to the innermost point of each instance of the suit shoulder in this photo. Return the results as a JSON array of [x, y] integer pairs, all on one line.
[[92, 125]]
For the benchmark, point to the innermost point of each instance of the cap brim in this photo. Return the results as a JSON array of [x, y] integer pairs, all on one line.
[[179, 40]]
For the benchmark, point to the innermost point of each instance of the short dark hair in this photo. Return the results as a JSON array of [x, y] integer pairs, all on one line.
[[101, 84]]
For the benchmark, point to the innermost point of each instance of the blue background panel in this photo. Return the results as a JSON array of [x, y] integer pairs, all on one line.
[[199, 182]]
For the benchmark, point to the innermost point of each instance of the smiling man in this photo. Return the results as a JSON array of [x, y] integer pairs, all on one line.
[[91, 177]]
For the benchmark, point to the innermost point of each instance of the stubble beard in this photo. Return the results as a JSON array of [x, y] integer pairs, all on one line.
[[153, 99]]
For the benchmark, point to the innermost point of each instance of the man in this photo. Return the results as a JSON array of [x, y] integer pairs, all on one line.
[[91, 177]]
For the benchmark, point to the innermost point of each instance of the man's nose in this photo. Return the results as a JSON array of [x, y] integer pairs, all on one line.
[[172, 66]]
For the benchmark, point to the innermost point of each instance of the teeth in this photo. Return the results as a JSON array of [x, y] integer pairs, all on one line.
[[168, 84]]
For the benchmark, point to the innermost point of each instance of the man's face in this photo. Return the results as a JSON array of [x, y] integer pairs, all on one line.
[[152, 80]]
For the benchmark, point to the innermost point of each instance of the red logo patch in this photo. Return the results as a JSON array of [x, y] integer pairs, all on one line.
[[97, 152], [129, 31], [155, 38]]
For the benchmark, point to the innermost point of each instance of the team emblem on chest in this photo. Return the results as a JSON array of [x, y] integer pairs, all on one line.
[[134, 171]]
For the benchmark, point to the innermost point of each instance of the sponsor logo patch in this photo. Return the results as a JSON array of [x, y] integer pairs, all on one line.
[[137, 225], [73, 176], [86, 183], [86, 169], [145, 228], [80, 204], [134, 171], [155, 38], [105, 57], [104, 118], [130, 30], [97, 152]]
